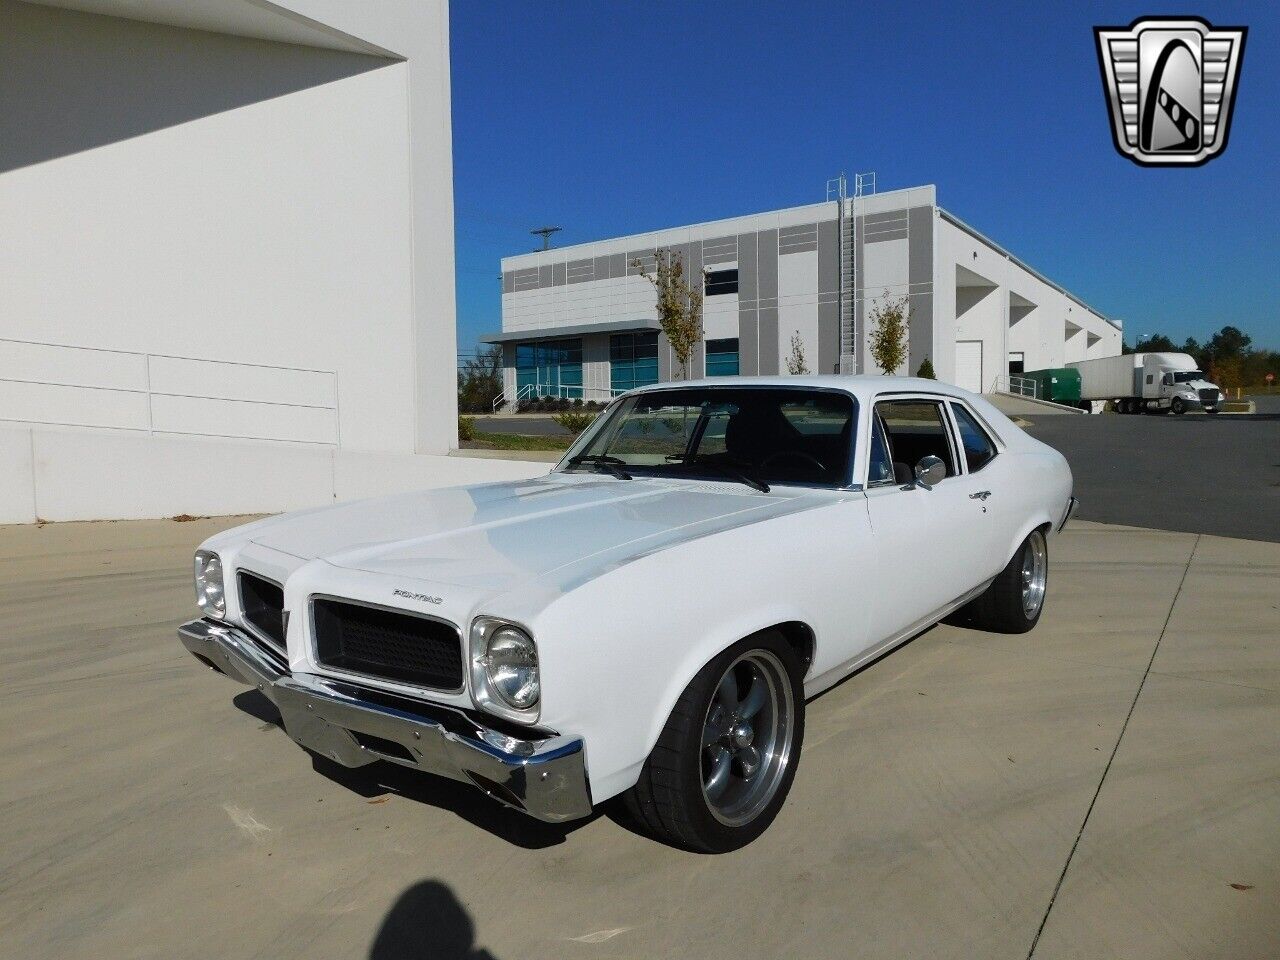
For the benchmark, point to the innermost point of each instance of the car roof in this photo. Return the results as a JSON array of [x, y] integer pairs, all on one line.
[[861, 386]]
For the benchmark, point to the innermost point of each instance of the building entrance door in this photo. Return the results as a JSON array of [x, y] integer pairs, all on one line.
[[969, 365]]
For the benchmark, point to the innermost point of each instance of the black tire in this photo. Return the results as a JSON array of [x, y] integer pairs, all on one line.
[[1002, 607], [668, 801], [1177, 406]]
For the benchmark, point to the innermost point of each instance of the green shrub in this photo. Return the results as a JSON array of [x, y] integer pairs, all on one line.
[[575, 423], [926, 370], [466, 428]]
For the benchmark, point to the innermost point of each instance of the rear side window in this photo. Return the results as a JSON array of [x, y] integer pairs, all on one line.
[[977, 446]]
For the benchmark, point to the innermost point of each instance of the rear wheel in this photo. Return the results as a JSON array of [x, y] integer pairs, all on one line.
[[724, 763], [1015, 599]]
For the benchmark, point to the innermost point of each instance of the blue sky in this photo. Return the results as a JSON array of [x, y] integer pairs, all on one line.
[[610, 118]]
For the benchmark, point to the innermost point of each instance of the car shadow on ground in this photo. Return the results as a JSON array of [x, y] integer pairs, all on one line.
[[465, 801], [427, 923]]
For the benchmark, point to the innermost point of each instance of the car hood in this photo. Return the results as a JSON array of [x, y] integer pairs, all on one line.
[[494, 536]]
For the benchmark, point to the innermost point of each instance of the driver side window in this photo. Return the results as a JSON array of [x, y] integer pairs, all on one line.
[[915, 429]]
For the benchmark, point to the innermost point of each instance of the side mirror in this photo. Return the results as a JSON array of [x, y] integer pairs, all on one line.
[[930, 470]]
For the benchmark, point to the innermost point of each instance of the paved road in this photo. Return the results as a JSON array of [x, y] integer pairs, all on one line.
[[1218, 475], [1107, 779]]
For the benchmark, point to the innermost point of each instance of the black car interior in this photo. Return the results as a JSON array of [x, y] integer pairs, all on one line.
[[914, 429]]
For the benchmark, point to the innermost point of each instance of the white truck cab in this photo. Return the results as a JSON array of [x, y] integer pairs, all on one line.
[[1173, 380]]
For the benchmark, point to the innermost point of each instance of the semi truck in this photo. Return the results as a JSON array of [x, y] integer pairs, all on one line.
[[1147, 383]]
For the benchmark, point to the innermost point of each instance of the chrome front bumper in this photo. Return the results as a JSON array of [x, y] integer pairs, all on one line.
[[354, 726]]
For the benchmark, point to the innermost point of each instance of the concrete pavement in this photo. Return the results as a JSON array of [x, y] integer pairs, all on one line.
[[1106, 786]]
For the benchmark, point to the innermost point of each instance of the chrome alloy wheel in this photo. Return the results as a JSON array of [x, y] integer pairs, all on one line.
[[1035, 574], [747, 737]]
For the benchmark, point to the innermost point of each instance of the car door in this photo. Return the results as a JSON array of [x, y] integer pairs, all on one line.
[[986, 475], [929, 540]]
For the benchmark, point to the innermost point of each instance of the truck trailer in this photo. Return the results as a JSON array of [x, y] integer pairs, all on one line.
[[1147, 383]]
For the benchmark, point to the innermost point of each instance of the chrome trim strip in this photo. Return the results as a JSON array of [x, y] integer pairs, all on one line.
[[337, 672], [545, 778]]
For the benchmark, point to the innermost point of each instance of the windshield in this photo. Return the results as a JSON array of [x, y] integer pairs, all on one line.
[[754, 435], [1186, 376]]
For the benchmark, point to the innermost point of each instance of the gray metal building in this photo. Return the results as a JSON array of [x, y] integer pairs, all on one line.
[[580, 320]]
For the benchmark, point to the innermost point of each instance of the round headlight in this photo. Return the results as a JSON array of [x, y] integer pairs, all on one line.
[[210, 595], [511, 664]]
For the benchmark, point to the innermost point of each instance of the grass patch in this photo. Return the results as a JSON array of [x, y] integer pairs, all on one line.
[[515, 441]]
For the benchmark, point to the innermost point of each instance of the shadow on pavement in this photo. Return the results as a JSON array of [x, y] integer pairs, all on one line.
[[427, 923], [461, 799]]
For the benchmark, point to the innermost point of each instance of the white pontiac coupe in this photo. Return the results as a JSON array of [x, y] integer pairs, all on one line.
[[648, 619]]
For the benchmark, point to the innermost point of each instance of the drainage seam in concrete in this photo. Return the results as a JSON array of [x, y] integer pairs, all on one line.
[[1114, 750]]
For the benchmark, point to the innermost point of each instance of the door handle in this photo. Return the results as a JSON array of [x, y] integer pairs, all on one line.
[[980, 495]]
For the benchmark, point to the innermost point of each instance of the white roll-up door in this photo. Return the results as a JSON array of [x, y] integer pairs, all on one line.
[[969, 365]]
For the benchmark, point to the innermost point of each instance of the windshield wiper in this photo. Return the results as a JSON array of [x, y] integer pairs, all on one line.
[[724, 469], [610, 465]]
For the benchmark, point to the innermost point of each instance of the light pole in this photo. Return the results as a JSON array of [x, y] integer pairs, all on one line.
[[545, 233]]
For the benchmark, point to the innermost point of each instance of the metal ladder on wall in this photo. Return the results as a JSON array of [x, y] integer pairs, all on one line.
[[864, 184]]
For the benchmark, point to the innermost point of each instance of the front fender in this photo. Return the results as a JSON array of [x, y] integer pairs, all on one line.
[[617, 652]]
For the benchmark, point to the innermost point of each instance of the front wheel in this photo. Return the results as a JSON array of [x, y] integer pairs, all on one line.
[[724, 763], [1178, 407], [1015, 599]]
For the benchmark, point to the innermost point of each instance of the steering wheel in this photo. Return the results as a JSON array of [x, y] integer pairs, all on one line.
[[796, 454]]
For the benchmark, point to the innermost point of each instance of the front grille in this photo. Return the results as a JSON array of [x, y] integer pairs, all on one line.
[[1208, 396], [263, 605], [388, 644]]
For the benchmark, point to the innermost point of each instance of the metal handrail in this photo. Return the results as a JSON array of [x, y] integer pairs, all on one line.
[[1019, 386], [560, 392]]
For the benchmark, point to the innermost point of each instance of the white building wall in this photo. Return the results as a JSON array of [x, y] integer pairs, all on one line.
[[968, 314], [225, 219], [884, 278], [56, 473], [798, 306], [720, 313], [208, 197]]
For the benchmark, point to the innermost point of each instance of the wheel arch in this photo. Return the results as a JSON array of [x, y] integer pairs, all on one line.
[[796, 633], [799, 636]]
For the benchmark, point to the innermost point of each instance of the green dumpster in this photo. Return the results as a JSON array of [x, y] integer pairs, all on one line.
[[1060, 385]]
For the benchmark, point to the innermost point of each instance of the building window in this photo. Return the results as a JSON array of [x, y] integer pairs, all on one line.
[[722, 357], [721, 281], [549, 368], [633, 360]]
